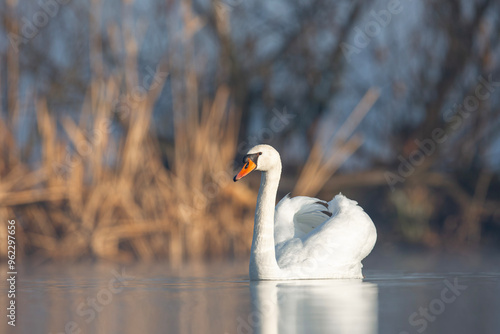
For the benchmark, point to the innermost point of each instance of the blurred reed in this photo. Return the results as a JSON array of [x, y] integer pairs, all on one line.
[[321, 165], [110, 196], [97, 185]]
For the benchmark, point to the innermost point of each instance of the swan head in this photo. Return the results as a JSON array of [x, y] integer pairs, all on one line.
[[262, 158]]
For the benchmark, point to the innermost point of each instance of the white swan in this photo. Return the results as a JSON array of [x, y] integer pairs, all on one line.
[[303, 237]]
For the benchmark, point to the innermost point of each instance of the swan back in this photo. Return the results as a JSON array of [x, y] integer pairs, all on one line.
[[296, 217], [326, 243]]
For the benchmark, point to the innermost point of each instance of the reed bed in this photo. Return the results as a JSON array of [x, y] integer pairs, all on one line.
[[321, 164], [101, 184], [100, 187], [112, 197]]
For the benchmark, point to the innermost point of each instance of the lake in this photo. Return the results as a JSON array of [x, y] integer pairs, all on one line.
[[402, 293]]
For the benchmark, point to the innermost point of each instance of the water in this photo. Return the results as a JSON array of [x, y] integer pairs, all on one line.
[[217, 297]]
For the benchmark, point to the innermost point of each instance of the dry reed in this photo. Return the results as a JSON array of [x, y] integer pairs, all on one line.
[[78, 204], [106, 195], [321, 165]]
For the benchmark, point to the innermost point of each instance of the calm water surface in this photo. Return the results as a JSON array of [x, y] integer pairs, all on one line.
[[219, 298]]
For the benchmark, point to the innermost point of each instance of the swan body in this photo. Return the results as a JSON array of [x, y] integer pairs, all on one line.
[[303, 237]]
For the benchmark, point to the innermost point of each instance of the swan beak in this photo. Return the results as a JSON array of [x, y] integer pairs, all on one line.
[[249, 166]]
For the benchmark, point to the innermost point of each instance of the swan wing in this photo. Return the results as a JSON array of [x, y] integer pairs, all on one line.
[[349, 235], [338, 244], [296, 217]]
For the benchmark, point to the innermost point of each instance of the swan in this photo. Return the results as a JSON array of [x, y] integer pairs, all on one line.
[[303, 237]]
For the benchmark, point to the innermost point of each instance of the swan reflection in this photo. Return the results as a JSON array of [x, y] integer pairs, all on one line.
[[312, 306]]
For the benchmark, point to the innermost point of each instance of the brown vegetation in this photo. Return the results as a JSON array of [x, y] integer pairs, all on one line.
[[111, 196], [98, 185], [85, 203]]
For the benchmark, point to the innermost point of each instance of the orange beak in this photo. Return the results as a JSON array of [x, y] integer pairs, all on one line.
[[249, 166]]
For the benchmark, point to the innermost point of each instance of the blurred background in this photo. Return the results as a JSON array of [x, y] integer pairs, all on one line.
[[123, 122]]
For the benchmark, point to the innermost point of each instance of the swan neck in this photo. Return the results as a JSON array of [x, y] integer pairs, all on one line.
[[263, 258]]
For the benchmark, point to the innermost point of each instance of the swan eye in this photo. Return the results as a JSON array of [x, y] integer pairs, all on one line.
[[251, 157]]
